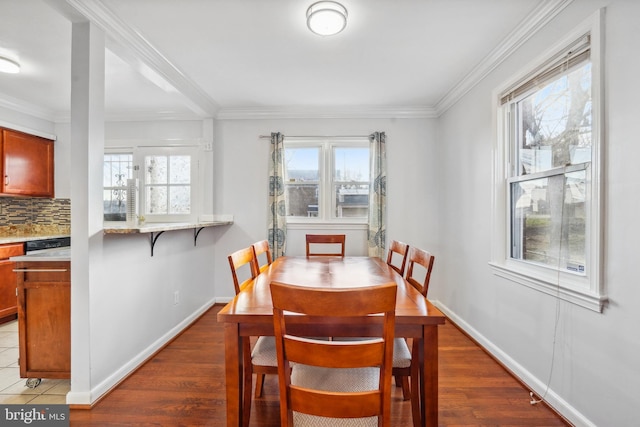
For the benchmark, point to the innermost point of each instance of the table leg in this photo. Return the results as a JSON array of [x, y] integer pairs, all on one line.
[[233, 373], [429, 377]]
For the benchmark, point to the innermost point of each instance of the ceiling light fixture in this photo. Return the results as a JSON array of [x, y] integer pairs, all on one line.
[[326, 18], [8, 65]]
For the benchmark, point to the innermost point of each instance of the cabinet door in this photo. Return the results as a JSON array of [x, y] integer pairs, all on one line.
[[27, 165], [8, 299], [8, 279], [44, 319]]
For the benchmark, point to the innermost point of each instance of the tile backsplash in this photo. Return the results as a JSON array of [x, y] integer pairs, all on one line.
[[25, 216]]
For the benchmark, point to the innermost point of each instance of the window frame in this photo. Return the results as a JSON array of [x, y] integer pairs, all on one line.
[[139, 150], [114, 152], [327, 183], [584, 290]]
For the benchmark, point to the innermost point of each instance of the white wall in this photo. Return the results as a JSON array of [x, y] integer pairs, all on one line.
[[241, 167], [595, 362]]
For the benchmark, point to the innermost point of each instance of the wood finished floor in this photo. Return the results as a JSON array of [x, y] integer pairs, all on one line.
[[183, 385]]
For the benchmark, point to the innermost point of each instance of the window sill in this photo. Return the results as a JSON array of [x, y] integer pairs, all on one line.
[[326, 225], [581, 297]]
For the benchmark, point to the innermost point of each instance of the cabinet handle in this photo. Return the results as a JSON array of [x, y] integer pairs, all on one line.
[[40, 270], [6, 180]]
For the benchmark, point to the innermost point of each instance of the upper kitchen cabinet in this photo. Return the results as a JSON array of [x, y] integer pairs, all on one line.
[[27, 164]]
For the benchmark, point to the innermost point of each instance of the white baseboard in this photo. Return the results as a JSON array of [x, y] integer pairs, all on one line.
[[84, 398], [534, 383]]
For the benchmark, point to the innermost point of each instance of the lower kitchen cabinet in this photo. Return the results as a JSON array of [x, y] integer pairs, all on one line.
[[8, 300], [44, 318]]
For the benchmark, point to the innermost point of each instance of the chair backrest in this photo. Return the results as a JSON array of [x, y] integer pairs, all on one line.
[[325, 239], [259, 248], [425, 260], [375, 353], [239, 259], [398, 252]]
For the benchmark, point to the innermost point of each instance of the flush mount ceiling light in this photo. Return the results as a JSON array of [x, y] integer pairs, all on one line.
[[8, 65], [326, 18]]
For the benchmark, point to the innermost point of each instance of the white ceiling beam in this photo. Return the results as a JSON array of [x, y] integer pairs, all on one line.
[[143, 57]]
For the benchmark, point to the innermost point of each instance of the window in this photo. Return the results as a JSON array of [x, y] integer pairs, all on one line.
[[327, 179], [167, 184], [547, 212], [118, 167], [168, 176]]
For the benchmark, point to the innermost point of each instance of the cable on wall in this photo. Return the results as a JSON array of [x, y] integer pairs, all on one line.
[[541, 398]]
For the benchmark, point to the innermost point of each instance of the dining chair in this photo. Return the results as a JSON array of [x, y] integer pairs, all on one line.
[[332, 383], [262, 359], [404, 365], [259, 248], [325, 239], [398, 252]]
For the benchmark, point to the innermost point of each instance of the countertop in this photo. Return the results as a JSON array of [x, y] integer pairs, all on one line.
[[54, 254], [27, 238], [153, 227]]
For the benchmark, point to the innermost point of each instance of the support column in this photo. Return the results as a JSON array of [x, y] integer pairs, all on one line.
[[87, 151]]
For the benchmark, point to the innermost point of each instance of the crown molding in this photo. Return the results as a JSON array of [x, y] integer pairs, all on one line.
[[540, 16], [129, 44], [24, 107], [329, 112]]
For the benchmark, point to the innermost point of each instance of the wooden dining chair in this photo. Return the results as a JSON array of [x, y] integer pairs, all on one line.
[[397, 256], [404, 365], [262, 359], [330, 383], [325, 239], [259, 248]]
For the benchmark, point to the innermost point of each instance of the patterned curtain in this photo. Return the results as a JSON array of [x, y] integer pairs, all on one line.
[[277, 208], [378, 195]]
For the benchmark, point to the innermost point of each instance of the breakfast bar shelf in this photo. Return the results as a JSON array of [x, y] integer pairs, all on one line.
[[155, 230]]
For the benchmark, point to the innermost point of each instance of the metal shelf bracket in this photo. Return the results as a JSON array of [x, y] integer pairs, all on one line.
[[154, 237]]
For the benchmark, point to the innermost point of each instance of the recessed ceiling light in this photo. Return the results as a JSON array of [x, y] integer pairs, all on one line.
[[8, 65], [326, 18]]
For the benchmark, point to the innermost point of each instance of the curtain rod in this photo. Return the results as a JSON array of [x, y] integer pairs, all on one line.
[[320, 136]]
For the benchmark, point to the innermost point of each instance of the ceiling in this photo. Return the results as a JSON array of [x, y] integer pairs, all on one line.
[[232, 58]]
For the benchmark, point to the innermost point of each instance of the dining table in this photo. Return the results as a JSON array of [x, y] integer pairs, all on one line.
[[250, 314]]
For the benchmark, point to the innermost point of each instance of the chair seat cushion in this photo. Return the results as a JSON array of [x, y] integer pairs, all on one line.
[[264, 352], [328, 379], [401, 353]]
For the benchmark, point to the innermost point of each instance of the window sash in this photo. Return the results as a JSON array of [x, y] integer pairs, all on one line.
[[327, 205], [585, 290]]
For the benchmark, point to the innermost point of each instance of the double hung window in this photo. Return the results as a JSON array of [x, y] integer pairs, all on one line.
[[327, 180], [547, 180]]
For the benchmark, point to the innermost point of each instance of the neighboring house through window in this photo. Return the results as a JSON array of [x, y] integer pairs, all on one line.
[[327, 179], [547, 185]]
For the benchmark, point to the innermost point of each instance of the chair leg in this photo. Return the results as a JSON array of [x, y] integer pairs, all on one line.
[[406, 390], [259, 384]]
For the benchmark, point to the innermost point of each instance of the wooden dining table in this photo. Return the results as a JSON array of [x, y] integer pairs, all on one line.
[[250, 313]]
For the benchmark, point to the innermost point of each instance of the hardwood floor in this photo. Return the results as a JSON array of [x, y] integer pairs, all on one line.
[[183, 385]]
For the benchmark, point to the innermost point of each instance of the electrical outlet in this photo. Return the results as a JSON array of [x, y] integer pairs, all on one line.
[[176, 297], [208, 146]]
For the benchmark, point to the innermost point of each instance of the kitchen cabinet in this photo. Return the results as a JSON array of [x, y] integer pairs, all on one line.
[[8, 299], [26, 164], [44, 318]]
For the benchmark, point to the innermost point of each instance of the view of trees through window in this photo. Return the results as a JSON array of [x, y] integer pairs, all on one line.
[[549, 186]]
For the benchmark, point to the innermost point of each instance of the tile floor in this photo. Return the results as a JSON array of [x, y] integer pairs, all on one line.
[[13, 389]]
